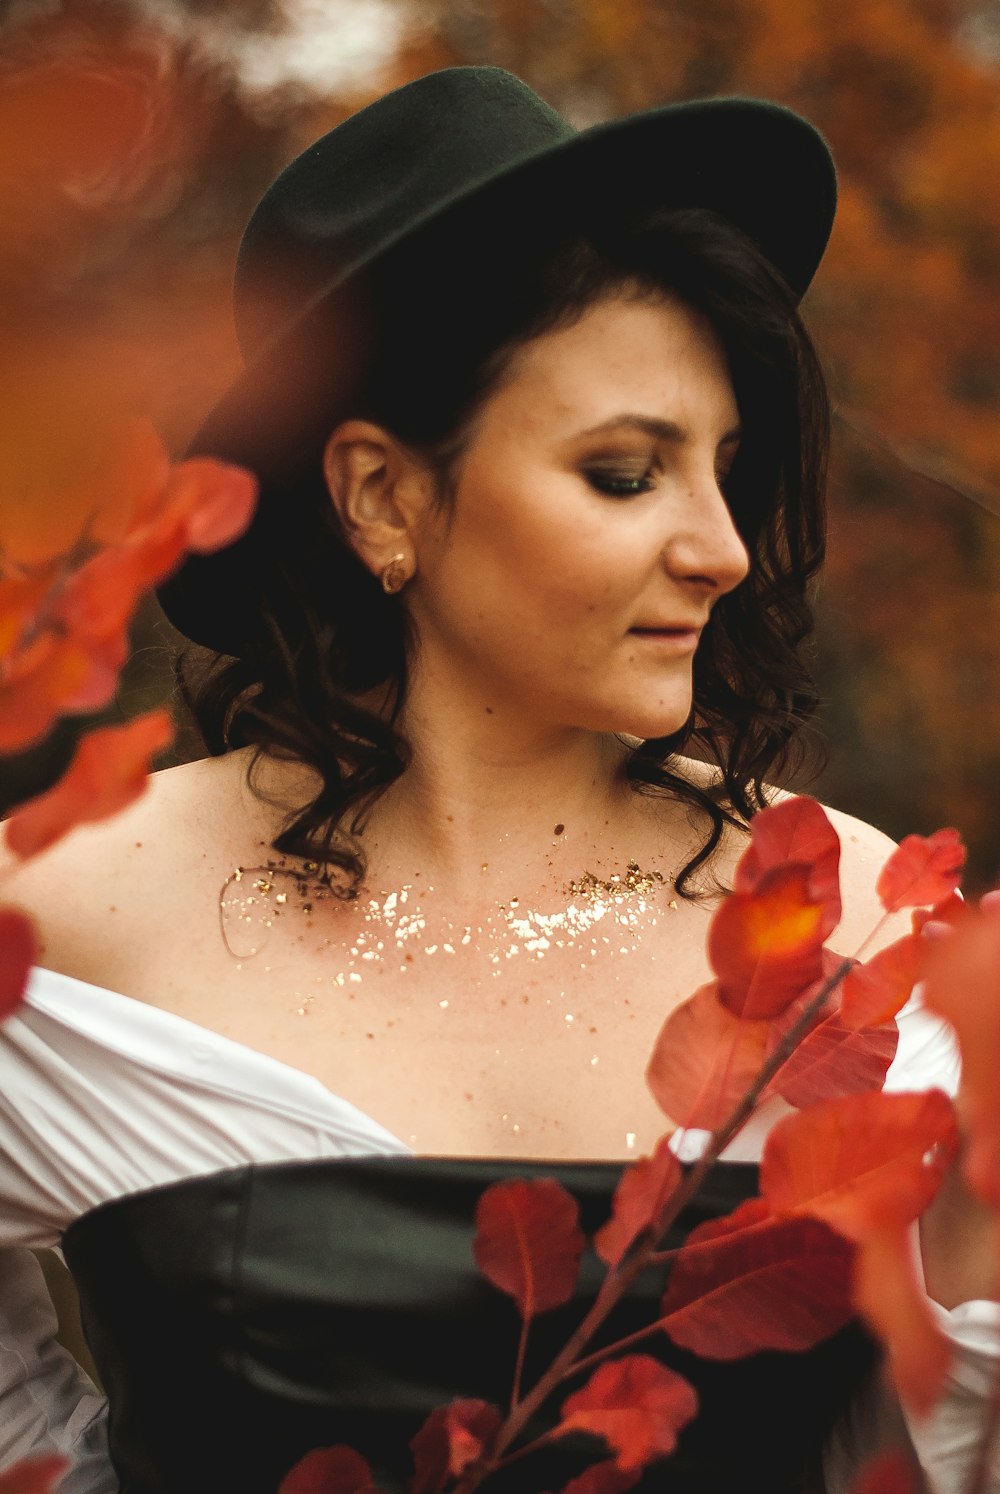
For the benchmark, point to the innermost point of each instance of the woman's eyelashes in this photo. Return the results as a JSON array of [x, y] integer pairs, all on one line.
[[619, 484]]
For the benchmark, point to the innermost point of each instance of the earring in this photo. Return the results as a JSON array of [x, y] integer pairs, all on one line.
[[394, 576]]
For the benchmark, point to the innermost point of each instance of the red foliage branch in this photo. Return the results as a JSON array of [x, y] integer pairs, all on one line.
[[64, 638], [842, 1181], [64, 620]]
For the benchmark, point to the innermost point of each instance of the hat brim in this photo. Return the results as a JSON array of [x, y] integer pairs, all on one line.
[[758, 165]]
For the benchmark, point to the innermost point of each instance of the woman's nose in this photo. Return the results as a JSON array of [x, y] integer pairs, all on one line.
[[708, 549]]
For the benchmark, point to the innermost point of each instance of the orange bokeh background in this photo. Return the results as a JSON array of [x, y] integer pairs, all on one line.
[[133, 153]]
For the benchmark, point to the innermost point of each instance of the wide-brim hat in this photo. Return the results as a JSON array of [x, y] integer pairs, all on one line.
[[472, 155]]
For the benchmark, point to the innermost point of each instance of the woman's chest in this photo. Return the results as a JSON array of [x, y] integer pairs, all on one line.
[[455, 1038]]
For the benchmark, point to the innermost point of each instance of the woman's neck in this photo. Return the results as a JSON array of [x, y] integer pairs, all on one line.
[[498, 806]]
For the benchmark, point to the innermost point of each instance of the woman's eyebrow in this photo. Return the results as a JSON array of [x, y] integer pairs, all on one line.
[[653, 425]]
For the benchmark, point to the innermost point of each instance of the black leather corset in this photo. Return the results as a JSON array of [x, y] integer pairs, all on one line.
[[239, 1320]]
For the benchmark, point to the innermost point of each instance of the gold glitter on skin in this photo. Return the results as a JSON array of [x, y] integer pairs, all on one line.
[[393, 926], [268, 912]]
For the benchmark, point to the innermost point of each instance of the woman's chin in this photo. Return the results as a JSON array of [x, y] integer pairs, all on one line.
[[644, 726]]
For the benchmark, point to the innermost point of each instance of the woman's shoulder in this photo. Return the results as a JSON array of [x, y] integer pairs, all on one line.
[[864, 850], [102, 881]]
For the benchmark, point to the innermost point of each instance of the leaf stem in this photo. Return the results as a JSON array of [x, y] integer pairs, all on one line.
[[599, 1355], [522, 1344], [872, 934], [619, 1279]]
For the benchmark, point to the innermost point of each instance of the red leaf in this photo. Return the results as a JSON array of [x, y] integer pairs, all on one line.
[[833, 1061], [894, 1304], [888, 1473], [328, 1470], [18, 952], [830, 1060], [47, 679], [21, 599], [99, 601], [766, 946], [451, 1440], [34, 1476], [963, 986], [642, 1191], [603, 1478], [108, 771], [212, 500], [528, 1242], [145, 516], [866, 1163], [922, 869], [878, 989], [703, 1060], [796, 830], [949, 912], [636, 1404], [752, 1282]]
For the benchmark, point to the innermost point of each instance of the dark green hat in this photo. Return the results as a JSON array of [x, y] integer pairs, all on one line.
[[473, 155]]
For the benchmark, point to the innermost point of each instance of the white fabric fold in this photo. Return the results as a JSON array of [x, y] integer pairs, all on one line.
[[102, 1096]]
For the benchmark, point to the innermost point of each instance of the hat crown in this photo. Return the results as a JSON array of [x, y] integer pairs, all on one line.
[[355, 190]]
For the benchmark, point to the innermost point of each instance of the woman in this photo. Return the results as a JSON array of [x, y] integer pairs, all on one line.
[[541, 444]]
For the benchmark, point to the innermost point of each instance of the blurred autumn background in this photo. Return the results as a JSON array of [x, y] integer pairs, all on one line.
[[135, 138]]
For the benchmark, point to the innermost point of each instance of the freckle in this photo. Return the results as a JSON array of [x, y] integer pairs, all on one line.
[[469, 1095], [559, 830], [138, 845], [369, 1034], [489, 710], [112, 909]]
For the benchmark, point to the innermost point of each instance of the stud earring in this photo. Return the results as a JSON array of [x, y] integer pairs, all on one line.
[[394, 576]]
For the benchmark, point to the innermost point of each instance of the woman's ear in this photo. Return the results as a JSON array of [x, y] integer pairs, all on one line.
[[379, 491]]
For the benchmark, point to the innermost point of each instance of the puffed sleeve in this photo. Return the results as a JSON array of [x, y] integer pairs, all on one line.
[[947, 1441], [47, 1403], [944, 1444]]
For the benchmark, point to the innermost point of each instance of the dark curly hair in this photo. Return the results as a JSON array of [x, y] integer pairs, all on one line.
[[325, 636]]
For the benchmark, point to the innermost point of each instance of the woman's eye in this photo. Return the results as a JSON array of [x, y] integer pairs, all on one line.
[[618, 484]]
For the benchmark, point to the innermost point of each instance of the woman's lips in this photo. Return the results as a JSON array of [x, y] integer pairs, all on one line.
[[680, 639]]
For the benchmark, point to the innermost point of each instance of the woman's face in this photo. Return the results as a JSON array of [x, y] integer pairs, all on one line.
[[589, 536]]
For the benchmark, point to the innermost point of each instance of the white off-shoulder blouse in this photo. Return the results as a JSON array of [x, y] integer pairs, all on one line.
[[102, 1095]]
